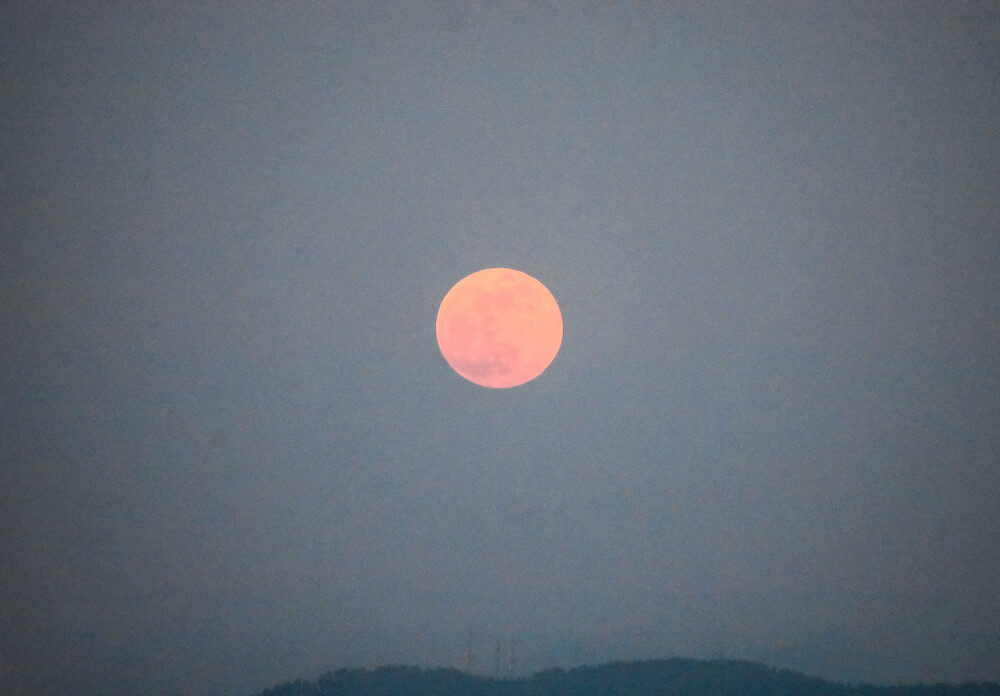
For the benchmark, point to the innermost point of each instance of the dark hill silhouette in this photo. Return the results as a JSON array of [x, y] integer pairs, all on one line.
[[675, 677]]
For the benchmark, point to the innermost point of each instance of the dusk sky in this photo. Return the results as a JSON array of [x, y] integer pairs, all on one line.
[[233, 454]]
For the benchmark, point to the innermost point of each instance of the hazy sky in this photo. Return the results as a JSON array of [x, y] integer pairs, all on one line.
[[232, 453]]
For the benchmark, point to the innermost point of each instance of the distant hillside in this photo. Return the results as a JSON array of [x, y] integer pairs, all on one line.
[[676, 677]]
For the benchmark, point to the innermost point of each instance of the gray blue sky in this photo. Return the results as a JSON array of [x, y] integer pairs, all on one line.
[[232, 453]]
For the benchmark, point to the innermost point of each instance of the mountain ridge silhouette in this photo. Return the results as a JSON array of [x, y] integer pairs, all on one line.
[[665, 677]]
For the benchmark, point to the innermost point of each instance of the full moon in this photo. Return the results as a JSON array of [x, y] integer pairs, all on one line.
[[499, 328]]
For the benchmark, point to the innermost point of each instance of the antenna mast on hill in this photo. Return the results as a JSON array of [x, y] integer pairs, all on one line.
[[470, 655]]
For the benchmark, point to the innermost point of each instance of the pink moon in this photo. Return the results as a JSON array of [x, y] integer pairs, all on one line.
[[499, 328]]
